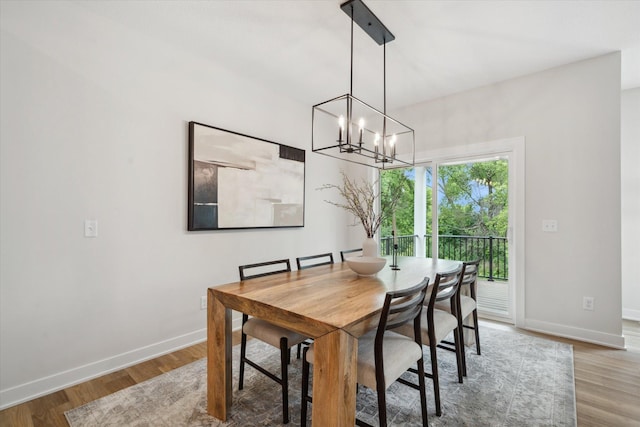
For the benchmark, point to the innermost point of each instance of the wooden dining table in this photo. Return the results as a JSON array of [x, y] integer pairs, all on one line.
[[331, 304]]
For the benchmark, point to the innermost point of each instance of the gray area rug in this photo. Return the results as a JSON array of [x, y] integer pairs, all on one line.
[[518, 380]]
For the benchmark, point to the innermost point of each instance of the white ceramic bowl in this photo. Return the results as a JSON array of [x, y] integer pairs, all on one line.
[[366, 265]]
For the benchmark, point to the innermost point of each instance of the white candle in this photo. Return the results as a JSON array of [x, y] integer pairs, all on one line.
[[340, 127], [393, 146]]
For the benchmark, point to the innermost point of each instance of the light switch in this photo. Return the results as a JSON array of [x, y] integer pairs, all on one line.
[[90, 228], [549, 225]]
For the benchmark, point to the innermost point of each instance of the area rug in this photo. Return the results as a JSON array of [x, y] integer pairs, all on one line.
[[519, 380]]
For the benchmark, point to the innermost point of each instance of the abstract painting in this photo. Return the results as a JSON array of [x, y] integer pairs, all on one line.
[[238, 181]]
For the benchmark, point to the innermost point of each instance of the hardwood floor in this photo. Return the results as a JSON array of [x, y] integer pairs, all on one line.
[[607, 384], [49, 410]]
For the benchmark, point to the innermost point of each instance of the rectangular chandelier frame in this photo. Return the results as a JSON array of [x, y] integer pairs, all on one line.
[[364, 149], [349, 129]]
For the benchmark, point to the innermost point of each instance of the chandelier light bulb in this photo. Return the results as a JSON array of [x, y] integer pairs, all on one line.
[[375, 145], [392, 143], [340, 127]]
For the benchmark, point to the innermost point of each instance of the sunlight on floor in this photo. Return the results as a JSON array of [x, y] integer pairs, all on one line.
[[493, 297]]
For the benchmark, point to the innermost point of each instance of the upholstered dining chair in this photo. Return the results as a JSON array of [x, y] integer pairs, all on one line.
[[349, 251], [269, 333], [436, 325], [384, 355], [314, 260], [466, 301]]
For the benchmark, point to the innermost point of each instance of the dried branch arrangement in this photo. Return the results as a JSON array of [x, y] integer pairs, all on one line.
[[362, 198]]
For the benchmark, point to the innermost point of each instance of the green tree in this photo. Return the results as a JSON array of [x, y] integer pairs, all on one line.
[[398, 180], [473, 202], [473, 199]]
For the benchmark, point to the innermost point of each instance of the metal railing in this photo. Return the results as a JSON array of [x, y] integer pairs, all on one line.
[[493, 251], [406, 245]]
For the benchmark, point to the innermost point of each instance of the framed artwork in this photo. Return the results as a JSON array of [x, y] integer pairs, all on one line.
[[238, 181]]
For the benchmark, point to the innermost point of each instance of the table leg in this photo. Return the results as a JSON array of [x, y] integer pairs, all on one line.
[[334, 379], [219, 379]]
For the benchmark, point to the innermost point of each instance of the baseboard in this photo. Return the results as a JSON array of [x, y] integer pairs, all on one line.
[[630, 314], [43, 386], [579, 334]]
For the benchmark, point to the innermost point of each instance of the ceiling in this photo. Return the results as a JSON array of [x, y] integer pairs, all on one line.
[[301, 48]]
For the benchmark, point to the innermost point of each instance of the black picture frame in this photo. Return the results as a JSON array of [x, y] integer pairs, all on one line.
[[237, 181]]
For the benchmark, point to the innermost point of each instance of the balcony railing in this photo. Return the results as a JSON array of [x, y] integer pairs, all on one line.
[[493, 251], [406, 245]]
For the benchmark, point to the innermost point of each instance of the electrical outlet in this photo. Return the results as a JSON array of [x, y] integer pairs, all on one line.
[[587, 303], [549, 225], [203, 303]]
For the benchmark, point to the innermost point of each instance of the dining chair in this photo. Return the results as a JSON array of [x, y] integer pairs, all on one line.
[[269, 333], [436, 325], [349, 251], [466, 302], [314, 260], [384, 355]]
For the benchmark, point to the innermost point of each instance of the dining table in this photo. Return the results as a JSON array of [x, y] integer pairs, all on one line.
[[331, 304]]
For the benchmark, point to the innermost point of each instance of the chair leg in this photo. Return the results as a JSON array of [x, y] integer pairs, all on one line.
[[477, 331], [458, 345], [243, 352], [434, 377], [460, 332], [284, 361], [382, 405], [243, 355], [423, 391], [305, 389], [463, 353]]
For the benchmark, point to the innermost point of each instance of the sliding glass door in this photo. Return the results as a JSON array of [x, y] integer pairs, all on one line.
[[471, 220], [472, 223]]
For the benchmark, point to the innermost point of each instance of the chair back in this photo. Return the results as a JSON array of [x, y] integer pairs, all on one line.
[[348, 251], [469, 276], [401, 307], [264, 269], [314, 260], [445, 288]]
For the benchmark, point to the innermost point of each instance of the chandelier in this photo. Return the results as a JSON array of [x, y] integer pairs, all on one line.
[[349, 129]]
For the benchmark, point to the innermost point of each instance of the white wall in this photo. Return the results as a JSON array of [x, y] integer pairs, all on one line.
[[570, 118], [630, 155], [94, 125]]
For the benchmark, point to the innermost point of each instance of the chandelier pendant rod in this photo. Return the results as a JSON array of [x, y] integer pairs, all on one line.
[[351, 75], [384, 101], [349, 103]]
